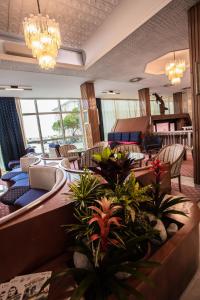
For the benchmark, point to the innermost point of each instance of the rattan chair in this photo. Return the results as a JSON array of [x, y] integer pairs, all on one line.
[[87, 157], [64, 152], [128, 148], [174, 155], [103, 144]]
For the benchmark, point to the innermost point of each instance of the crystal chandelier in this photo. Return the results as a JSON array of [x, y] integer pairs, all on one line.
[[175, 70], [42, 36]]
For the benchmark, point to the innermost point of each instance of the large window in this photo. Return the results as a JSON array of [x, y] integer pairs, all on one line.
[[51, 121], [118, 109], [123, 109]]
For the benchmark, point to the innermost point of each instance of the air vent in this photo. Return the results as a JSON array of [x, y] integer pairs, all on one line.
[[167, 85], [136, 79], [15, 88], [111, 92]]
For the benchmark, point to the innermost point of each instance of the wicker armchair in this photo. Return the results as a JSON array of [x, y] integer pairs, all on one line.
[[128, 148], [103, 144], [174, 155], [64, 152], [86, 159]]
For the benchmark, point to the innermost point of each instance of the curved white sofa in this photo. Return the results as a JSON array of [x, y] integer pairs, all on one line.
[[50, 179]]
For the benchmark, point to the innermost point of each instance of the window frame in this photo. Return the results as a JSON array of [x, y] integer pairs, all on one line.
[[60, 112]]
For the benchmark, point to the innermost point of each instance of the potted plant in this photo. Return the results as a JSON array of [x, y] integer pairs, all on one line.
[[117, 221]]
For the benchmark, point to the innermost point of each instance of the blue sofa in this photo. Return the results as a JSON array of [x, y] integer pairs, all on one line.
[[129, 137]]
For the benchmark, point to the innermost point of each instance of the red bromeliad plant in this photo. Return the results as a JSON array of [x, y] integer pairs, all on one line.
[[104, 218], [162, 205]]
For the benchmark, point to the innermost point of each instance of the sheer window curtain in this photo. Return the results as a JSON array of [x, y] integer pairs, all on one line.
[[118, 109]]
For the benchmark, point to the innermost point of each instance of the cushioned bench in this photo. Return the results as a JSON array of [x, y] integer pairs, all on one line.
[[29, 196], [129, 137]]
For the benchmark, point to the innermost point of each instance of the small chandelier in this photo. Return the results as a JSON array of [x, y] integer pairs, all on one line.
[[42, 36], [175, 70]]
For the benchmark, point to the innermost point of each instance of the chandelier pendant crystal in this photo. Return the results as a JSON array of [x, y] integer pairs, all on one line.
[[175, 70], [42, 36]]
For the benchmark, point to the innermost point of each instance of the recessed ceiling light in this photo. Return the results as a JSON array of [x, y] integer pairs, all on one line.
[[111, 92], [168, 85], [136, 79], [15, 88]]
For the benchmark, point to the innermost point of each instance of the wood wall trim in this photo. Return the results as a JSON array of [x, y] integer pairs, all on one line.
[[194, 46], [88, 94], [178, 103], [144, 101]]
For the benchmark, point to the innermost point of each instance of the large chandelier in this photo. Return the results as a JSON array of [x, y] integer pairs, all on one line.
[[175, 70], [42, 36]]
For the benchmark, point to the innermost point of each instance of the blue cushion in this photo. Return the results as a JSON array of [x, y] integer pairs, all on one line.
[[117, 136], [8, 176], [53, 145], [13, 194], [29, 197], [22, 182], [125, 137], [110, 136], [13, 164], [20, 176], [135, 137]]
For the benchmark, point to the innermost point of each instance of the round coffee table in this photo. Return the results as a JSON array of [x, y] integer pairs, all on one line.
[[137, 156], [3, 189]]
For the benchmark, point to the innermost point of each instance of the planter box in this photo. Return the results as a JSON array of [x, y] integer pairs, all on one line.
[[178, 258]]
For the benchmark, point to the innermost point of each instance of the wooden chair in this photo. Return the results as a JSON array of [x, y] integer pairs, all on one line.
[[174, 155]]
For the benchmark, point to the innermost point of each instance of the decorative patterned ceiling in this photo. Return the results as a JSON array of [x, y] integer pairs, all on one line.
[[78, 19]]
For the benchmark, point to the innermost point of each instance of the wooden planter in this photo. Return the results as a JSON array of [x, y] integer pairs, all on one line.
[[178, 258]]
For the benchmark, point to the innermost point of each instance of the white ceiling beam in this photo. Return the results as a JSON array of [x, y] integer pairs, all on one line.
[[125, 19]]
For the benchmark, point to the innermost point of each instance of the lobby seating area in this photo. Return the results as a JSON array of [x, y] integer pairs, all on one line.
[[99, 150]]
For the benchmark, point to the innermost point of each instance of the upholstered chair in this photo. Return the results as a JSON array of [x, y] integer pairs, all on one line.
[[174, 155]]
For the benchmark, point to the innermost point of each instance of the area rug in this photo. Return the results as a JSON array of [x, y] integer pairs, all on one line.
[[190, 192], [187, 167]]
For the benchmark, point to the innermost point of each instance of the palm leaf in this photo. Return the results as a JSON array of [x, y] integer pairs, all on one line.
[[82, 287], [172, 202], [175, 212]]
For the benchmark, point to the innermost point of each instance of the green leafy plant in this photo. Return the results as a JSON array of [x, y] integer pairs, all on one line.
[[113, 166], [86, 190]]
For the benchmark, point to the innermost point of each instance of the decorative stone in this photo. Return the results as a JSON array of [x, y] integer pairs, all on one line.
[[81, 261], [172, 229], [159, 226]]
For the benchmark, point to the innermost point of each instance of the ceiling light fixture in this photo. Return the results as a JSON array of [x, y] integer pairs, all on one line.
[[175, 70], [42, 36], [111, 92]]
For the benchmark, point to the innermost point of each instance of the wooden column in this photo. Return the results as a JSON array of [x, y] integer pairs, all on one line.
[[144, 98], [178, 103], [88, 96], [194, 46]]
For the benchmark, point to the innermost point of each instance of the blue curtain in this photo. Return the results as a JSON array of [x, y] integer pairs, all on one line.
[[11, 140]]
